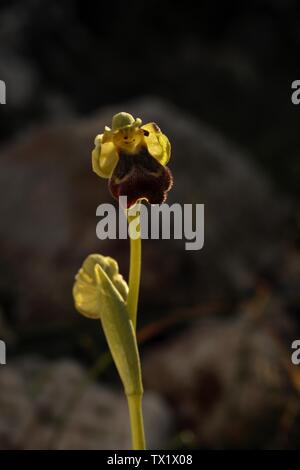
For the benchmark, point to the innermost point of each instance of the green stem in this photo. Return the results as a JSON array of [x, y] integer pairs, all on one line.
[[136, 422], [135, 272], [135, 400]]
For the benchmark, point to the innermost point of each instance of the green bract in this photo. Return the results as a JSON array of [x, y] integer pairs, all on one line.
[[101, 292]]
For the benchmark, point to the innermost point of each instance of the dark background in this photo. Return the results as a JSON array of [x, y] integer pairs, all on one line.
[[230, 64], [225, 66]]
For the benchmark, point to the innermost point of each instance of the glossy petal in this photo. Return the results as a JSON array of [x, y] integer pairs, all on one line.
[[89, 294], [104, 156], [157, 143]]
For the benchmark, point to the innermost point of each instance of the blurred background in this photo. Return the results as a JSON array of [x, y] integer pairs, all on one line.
[[216, 325]]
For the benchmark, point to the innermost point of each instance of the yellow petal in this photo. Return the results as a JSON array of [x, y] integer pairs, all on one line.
[[157, 143], [104, 157], [89, 293]]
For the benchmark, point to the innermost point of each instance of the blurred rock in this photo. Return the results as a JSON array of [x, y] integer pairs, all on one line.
[[231, 381], [53, 405], [51, 197], [235, 75]]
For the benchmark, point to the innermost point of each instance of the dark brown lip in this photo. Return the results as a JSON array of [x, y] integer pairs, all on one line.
[[140, 176]]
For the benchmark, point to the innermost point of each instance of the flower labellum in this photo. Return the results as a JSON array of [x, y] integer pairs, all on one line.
[[134, 158]]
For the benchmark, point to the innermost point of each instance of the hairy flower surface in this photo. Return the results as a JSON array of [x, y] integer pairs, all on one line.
[[133, 157]]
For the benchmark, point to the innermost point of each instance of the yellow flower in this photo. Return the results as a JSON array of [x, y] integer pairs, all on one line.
[[100, 292], [134, 158], [88, 291]]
